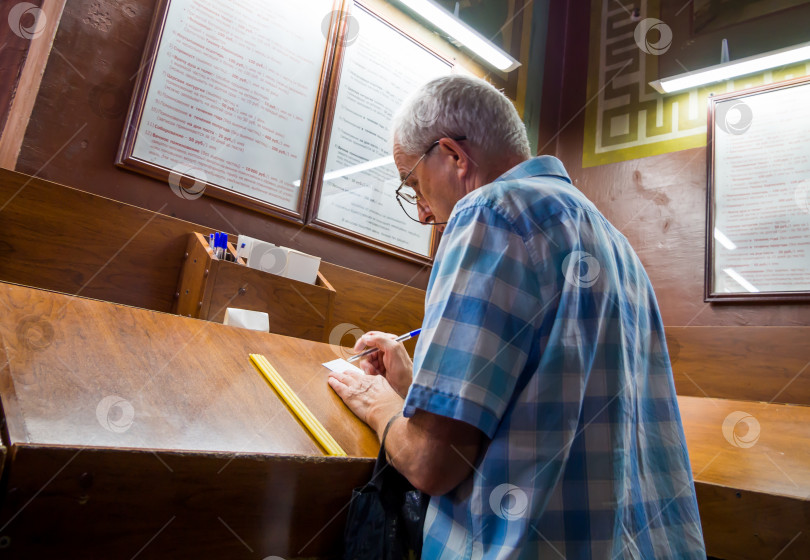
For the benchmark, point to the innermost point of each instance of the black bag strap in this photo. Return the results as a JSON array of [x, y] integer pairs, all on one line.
[[388, 427], [381, 464]]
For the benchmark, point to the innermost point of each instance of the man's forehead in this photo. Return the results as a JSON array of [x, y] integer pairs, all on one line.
[[404, 162]]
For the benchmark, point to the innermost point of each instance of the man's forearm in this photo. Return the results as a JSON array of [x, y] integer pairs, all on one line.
[[402, 442], [403, 448], [433, 456], [434, 452], [380, 417]]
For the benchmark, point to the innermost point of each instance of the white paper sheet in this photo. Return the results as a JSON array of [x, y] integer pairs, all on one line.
[[341, 366]]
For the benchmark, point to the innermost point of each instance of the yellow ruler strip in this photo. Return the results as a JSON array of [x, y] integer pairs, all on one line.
[[299, 408]]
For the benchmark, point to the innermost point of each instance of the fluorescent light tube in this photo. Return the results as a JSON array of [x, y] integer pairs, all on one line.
[[724, 241], [740, 280], [733, 69], [462, 33], [358, 168], [365, 166]]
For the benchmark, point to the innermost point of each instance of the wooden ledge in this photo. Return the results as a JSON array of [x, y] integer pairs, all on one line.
[[751, 463], [765, 447]]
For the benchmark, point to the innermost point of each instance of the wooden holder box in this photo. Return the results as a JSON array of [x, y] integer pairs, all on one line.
[[208, 285]]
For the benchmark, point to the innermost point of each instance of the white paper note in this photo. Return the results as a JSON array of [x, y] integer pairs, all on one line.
[[342, 366]]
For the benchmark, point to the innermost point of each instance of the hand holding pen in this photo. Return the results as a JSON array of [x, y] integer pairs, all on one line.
[[387, 357], [402, 338]]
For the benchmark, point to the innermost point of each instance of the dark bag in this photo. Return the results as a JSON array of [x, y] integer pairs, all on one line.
[[386, 517]]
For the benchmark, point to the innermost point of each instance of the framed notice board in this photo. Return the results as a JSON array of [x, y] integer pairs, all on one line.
[[285, 110], [758, 201], [230, 97], [354, 186]]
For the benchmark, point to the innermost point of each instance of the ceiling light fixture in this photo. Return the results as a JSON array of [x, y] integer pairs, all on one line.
[[733, 69], [462, 33]]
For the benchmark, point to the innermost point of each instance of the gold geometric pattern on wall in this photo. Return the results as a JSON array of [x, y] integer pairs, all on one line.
[[625, 118]]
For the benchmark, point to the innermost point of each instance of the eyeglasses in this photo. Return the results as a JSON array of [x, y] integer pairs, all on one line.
[[409, 196]]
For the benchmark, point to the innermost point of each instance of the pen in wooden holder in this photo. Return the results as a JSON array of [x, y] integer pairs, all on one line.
[[207, 286]]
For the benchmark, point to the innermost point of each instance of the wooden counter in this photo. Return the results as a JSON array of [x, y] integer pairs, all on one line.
[[753, 481], [129, 428]]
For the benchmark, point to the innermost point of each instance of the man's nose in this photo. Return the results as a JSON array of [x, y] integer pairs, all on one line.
[[425, 214]]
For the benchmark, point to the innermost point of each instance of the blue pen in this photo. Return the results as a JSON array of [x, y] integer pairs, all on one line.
[[403, 338], [223, 246]]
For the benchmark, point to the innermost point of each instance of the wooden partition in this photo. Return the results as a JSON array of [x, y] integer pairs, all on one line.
[[368, 303], [63, 239], [59, 238], [770, 364], [125, 425]]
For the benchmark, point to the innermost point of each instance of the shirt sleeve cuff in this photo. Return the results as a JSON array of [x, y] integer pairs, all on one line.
[[451, 406]]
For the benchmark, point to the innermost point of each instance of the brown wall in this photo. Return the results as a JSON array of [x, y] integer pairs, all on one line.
[[12, 59], [657, 202], [76, 126], [756, 352]]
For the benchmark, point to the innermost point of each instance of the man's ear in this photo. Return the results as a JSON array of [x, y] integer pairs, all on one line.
[[454, 149]]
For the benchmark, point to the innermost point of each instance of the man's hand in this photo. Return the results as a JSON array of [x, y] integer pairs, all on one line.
[[392, 360], [370, 397]]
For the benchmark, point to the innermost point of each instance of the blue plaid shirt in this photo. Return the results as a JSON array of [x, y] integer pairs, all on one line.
[[542, 330]]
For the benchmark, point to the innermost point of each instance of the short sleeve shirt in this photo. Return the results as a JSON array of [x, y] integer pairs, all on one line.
[[542, 330]]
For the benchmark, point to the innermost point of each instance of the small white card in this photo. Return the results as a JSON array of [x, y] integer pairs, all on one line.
[[342, 366], [302, 267], [246, 319]]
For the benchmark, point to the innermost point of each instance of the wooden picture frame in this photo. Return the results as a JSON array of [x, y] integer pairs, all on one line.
[[758, 195], [315, 220], [180, 177]]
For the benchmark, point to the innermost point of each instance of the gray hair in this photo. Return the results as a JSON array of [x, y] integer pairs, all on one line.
[[457, 105]]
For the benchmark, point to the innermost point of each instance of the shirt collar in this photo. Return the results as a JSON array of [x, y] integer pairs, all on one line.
[[536, 166]]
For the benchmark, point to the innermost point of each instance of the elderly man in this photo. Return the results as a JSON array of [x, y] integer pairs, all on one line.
[[539, 411]]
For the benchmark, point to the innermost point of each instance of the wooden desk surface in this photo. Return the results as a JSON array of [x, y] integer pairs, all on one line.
[[82, 372], [777, 461], [753, 478]]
